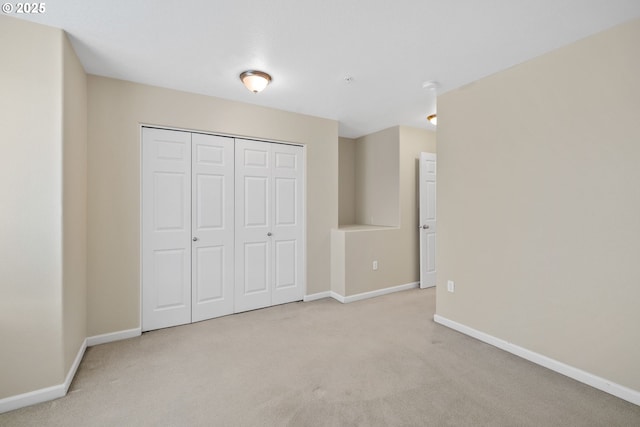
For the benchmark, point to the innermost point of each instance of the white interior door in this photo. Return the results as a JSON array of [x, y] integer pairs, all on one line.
[[212, 223], [288, 223], [253, 225], [166, 228], [427, 226], [269, 224]]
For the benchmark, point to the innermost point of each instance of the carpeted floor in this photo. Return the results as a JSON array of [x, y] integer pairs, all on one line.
[[379, 362]]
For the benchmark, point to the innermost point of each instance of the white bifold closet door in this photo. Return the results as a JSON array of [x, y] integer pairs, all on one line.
[[269, 218], [187, 227], [166, 228], [212, 224]]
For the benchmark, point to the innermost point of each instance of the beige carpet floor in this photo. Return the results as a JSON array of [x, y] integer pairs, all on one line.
[[379, 362]]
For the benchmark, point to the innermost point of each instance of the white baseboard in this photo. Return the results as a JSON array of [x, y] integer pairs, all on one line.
[[594, 381], [31, 398], [74, 366], [44, 394], [336, 296], [113, 336], [54, 392], [365, 295], [319, 295], [376, 293]]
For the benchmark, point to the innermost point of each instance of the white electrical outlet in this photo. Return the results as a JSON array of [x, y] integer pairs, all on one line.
[[451, 287], [375, 265]]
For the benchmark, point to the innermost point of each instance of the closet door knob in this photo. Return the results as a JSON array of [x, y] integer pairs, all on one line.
[[269, 234], [195, 239]]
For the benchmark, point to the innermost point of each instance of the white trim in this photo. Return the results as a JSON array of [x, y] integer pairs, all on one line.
[[379, 292], [225, 135], [305, 200], [336, 296], [314, 297], [44, 394], [74, 366], [113, 336], [140, 248], [31, 398], [357, 297], [594, 381], [57, 391]]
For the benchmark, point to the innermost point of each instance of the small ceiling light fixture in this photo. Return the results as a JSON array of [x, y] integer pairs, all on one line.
[[254, 80], [433, 119]]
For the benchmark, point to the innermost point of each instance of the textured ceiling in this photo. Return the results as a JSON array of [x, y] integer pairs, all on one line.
[[389, 48]]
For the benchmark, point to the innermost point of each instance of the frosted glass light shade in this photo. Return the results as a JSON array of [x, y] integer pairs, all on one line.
[[433, 119], [255, 81]]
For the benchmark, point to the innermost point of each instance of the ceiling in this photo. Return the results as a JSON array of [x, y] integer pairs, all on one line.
[[388, 48]]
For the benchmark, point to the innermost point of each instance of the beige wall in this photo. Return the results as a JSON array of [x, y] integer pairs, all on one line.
[[347, 181], [539, 205], [395, 248], [116, 110], [74, 199], [376, 178], [30, 190], [338, 261]]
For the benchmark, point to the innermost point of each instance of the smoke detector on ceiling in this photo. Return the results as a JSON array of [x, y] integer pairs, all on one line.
[[431, 85]]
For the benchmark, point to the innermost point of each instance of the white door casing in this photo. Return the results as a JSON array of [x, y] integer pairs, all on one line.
[[166, 228], [212, 222], [269, 224], [427, 226]]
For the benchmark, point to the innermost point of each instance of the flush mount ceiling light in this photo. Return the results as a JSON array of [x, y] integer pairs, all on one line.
[[254, 80], [433, 119]]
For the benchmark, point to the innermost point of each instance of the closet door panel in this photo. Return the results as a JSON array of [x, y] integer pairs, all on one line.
[[286, 264], [256, 268], [166, 229], [212, 222], [256, 192], [209, 275], [253, 217], [288, 225]]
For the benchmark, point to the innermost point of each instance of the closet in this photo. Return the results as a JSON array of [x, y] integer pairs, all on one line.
[[222, 226]]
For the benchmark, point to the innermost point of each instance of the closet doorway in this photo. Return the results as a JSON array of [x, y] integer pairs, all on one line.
[[222, 226]]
